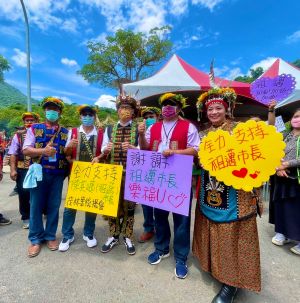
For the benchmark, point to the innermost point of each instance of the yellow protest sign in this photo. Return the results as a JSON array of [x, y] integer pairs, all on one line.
[[95, 188], [244, 159]]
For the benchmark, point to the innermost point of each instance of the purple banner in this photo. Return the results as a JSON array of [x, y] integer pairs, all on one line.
[[266, 89], [160, 182]]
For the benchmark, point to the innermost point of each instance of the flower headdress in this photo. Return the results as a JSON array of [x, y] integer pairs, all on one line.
[[150, 109], [31, 114], [223, 95], [82, 107], [178, 98], [52, 100]]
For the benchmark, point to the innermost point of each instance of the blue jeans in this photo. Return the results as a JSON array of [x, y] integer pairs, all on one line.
[[148, 212], [69, 219], [46, 196], [182, 226]]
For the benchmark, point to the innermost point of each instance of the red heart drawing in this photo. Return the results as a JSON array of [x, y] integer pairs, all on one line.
[[177, 201], [254, 176], [242, 173]]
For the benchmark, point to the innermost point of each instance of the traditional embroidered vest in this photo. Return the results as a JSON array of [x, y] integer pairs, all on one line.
[[42, 136], [23, 161], [81, 153], [123, 134], [221, 203], [178, 139]]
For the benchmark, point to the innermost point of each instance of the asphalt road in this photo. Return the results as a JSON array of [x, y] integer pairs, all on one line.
[[86, 275]]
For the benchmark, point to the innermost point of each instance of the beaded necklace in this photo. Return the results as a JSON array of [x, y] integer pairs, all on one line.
[[113, 136]]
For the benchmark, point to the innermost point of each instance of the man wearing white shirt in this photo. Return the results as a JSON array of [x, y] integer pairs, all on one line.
[[83, 144], [173, 135]]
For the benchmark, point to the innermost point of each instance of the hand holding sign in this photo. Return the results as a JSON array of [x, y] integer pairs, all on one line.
[[245, 159], [266, 89]]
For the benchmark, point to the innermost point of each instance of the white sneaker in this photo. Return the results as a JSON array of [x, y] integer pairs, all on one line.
[[280, 239], [65, 244], [25, 224], [296, 249], [90, 241], [129, 246]]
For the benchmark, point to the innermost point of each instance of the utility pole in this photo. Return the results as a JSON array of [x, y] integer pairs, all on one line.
[[28, 58]]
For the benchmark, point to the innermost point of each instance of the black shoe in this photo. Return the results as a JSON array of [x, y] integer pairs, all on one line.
[[4, 221], [225, 295], [110, 243], [129, 246]]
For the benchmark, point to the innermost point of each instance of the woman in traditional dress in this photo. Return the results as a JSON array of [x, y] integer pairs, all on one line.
[[225, 233], [285, 200]]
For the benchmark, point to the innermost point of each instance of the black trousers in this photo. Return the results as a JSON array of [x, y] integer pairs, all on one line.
[[24, 195]]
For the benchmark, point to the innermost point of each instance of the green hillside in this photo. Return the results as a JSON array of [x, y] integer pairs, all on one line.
[[10, 95]]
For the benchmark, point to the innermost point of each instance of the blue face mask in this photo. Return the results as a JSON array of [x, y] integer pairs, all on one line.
[[87, 120], [150, 121], [52, 115]]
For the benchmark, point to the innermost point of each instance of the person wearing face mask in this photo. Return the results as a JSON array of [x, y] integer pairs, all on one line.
[[19, 165], [83, 144], [225, 233], [150, 116], [171, 136], [118, 138], [286, 194], [45, 143]]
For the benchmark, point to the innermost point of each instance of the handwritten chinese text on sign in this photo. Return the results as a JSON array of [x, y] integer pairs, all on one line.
[[94, 188], [157, 181], [245, 159]]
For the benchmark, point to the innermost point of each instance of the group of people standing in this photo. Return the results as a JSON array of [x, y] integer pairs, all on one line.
[[225, 239]]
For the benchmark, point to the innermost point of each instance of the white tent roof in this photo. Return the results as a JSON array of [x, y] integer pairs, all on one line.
[[177, 75]]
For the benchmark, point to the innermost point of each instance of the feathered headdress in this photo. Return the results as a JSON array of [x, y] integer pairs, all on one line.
[[223, 95]]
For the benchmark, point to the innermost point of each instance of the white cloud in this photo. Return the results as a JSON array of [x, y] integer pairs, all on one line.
[[11, 31], [40, 12], [227, 73], [293, 38], [106, 101], [67, 76], [20, 58], [233, 73], [265, 64], [70, 25], [236, 61], [68, 62], [220, 71], [210, 4], [66, 100], [139, 15], [178, 7], [191, 37]]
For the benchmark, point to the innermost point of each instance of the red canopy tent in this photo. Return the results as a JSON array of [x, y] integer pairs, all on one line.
[[179, 76]]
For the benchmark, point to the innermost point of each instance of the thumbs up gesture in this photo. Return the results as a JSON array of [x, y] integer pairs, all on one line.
[[73, 143], [49, 150], [142, 127]]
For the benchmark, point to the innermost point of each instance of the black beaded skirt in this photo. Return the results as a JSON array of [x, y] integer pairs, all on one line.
[[285, 207]]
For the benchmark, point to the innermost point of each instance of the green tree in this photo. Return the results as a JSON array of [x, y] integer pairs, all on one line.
[[254, 74], [4, 66], [125, 57], [296, 63]]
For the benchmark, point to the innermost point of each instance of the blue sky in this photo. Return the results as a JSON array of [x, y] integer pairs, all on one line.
[[238, 34]]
